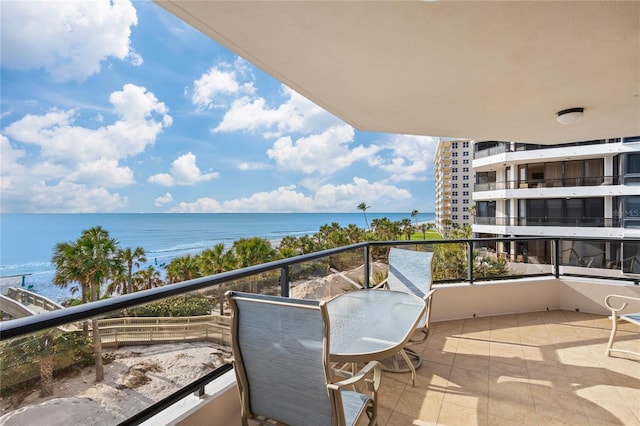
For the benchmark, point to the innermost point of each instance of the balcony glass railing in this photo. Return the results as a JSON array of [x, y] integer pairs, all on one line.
[[549, 183], [188, 322], [597, 222]]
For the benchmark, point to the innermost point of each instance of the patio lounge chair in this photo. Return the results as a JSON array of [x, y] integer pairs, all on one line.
[[633, 318], [281, 361], [410, 272]]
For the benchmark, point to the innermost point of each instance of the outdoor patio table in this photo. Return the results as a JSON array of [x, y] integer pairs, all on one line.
[[370, 325]]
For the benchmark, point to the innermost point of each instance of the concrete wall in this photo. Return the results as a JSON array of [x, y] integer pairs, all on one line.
[[459, 301]]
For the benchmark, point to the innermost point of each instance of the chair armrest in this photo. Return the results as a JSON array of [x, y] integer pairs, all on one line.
[[372, 367], [428, 295], [607, 301]]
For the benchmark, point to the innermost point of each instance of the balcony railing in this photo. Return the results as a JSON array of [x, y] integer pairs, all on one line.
[[550, 183], [595, 222], [355, 266]]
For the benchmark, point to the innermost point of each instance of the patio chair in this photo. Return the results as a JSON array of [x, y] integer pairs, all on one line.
[[633, 318], [281, 361], [410, 272]]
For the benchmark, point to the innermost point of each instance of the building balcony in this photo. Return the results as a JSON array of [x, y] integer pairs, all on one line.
[[548, 183], [523, 347]]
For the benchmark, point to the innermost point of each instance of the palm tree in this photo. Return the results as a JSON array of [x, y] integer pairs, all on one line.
[[183, 268], [131, 257], [414, 214], [363, 206], [90, 261], [145, 279]]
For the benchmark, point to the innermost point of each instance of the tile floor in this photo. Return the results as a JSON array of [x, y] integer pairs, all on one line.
[[541, 368]]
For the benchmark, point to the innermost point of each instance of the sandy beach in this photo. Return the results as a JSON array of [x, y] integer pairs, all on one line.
[[137, 377]]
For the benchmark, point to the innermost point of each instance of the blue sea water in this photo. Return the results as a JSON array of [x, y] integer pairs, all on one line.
[[27, 241]]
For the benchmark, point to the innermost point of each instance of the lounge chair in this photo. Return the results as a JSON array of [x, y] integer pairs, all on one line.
[[633, 318], [281, 361]]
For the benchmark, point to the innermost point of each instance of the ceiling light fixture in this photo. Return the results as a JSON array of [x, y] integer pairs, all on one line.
[[569, 116]]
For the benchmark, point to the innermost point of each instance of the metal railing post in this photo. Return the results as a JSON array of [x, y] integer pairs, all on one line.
[[556, 258], [470, 262], [366, 267], [284, 281]]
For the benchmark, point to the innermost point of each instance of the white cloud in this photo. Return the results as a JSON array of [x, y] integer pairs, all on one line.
[[141, 119], [102, 172], [50, 164], [411, 157], [345, 197], [330, 198], [69, 39], [163, 199], [323, 153], [297, 114], [203, 205], [216, 83], [184, 171], [244, 166]]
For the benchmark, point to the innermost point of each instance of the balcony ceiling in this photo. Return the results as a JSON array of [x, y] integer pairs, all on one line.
[[478, 70]]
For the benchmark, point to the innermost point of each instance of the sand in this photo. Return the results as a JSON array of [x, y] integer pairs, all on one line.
[[137, 377]]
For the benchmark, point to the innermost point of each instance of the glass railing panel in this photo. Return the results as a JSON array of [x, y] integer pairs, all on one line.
[[145, 353]]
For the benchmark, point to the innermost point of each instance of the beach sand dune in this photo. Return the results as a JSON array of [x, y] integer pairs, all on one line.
[[137, 377]]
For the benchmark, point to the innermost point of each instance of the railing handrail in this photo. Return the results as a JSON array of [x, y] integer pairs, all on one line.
[[22, 326]]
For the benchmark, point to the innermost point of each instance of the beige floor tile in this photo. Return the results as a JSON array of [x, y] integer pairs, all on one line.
[[432, 355], [548, 416], [606, 403], [504, 367], [508, 389], [556, 400], [516, 411], [479, 363], [452, 415], [468, 381], [423, 404]]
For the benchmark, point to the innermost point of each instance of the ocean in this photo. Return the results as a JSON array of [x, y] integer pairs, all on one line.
[[27, 240]]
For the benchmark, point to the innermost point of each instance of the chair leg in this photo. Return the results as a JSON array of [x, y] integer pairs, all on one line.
[[614, 328], [411, 367]]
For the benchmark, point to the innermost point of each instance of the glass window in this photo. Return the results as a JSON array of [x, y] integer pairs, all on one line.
[[454, 145], [465, 161], [633, 163], [465, 154], [465, 185], [465, 144], [455, 170], [465, 177]]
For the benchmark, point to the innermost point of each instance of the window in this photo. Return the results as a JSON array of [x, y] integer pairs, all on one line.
[[455, 170], [465, 193], [454, 186], [454, 209], [465, 217], [465, 177], [454, 177], [465, 161], [454, 193], [454, 201], [465, 144], [454, 162], [465, 185], [465, 170], [454, 154], [454, 145], [465, 201], [455, 217], [465, 154]]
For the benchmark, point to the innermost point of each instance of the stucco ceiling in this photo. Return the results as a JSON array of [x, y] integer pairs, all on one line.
[[478, 70]]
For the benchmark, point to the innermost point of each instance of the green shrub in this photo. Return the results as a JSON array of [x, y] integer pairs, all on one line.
[[178, 306]]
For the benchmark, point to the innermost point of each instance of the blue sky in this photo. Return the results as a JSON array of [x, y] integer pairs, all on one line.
[[124, 108]]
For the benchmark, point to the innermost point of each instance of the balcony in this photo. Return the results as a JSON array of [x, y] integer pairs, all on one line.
[[524, 347], [547, 183]]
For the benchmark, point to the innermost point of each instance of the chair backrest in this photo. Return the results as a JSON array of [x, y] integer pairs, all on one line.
[[410, 271], [281, 353]]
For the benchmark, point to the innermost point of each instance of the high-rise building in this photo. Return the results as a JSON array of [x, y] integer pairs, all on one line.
[[585, 189], [454, 178]]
